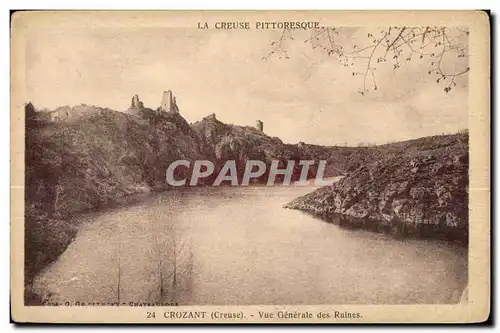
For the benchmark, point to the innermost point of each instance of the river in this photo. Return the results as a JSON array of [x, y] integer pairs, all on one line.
[[238, 246]]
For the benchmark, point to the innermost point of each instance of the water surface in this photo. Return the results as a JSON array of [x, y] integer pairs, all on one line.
[[227, 245]]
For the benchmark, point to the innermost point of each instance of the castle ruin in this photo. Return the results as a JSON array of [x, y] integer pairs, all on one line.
[[168, 103], [259, 125], [136, 103]]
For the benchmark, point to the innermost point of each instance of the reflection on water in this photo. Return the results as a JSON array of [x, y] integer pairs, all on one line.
[[239, 246]]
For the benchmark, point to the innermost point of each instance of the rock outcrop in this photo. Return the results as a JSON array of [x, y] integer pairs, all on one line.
[[420, 189], [220, 142], [91, 158], [84, 157]]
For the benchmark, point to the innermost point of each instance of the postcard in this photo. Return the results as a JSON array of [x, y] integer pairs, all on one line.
[[250, 167]]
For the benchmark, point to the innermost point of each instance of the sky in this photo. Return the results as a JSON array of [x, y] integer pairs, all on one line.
[[309, 97]]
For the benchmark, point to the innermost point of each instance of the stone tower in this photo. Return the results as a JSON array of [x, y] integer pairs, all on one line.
[[168, 103], [136, 103], [259, 125]]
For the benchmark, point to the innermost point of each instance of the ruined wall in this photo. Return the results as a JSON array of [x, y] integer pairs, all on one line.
[[259, 125], [168, 103], [136, 103]]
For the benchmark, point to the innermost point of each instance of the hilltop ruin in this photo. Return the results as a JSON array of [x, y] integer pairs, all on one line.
[[168, 103]]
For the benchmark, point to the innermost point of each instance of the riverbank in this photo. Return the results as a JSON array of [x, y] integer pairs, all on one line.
[[48, 237], [420, 192]]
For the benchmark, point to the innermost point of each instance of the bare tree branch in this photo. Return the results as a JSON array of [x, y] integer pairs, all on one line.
[[386, 46]]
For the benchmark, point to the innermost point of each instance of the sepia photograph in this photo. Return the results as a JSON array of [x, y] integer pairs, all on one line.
[[250, 166]]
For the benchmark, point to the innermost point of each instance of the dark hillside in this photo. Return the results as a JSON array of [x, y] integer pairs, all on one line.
[[221, 142], [417, 187], [85, 157], [90, 160]]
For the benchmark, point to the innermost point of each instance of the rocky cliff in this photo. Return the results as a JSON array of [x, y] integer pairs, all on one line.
[[417, 187], [91, 159], [84, 157], [220, 142]]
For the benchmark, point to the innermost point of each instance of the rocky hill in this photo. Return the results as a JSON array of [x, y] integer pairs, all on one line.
[[417, 187], [84, 157], [220, 142]]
